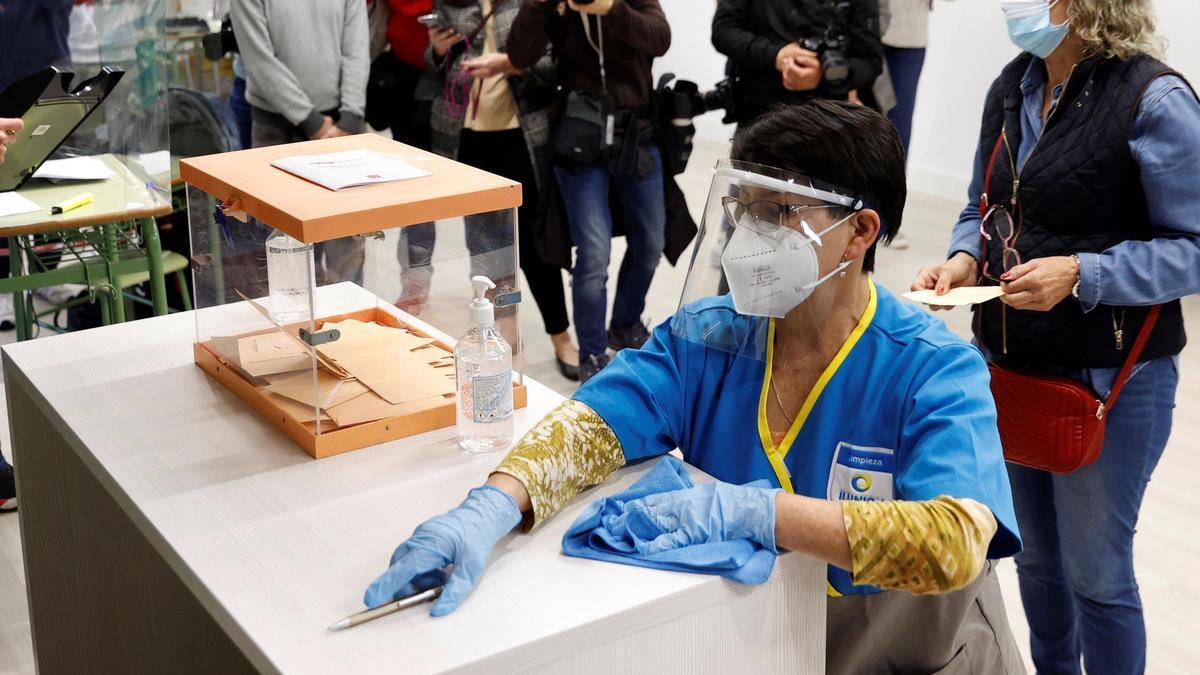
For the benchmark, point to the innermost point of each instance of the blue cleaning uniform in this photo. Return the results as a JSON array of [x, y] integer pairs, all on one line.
[[904, 411]]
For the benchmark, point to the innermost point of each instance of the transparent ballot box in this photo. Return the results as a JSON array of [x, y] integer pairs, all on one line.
[[333, 313]]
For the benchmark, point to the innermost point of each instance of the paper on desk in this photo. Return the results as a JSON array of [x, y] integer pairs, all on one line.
[[964, 295], [328, 392], [383, 359], [155, 162], [74, 168], [12, 204], [337, 170]]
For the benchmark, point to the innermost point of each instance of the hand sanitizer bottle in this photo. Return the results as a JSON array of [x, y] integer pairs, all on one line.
[[290, 275], [483, 371]]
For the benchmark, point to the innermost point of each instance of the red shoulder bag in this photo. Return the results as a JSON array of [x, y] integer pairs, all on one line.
[[1055, 423]]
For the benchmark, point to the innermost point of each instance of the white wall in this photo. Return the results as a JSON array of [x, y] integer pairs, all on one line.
[[969, 46]]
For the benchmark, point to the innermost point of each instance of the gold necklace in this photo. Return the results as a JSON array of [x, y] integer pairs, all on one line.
[[778, 400], [775, 389]]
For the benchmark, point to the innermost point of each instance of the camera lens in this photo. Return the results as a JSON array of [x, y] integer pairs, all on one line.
[[835, 67]]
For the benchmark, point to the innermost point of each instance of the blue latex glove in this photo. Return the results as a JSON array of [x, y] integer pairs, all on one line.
[[706, 513], [463, 537]]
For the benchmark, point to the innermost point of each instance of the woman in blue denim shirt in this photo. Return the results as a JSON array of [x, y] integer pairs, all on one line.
[[1093, 146]]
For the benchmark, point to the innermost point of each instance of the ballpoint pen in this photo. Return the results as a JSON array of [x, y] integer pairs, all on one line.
[[390, 608]]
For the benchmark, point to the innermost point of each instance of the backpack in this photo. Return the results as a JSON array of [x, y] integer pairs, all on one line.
[[199, 124]]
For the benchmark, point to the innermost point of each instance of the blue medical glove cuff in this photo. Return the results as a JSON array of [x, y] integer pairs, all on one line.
[[755, 508], [766, 522], [497, 508]]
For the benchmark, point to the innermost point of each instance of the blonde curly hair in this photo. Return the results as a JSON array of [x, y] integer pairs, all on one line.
[[1120, 28]]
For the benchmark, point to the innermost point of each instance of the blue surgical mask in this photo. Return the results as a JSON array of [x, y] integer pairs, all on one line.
[[1030, 27]]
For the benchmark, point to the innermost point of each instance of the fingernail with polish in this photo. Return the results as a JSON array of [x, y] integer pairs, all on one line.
[[1006, 275]]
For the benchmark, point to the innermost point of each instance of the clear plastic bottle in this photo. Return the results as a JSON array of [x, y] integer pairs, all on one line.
[[290, 275], [483, 372]]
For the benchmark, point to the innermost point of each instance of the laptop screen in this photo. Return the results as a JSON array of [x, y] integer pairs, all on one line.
[[51, 112]]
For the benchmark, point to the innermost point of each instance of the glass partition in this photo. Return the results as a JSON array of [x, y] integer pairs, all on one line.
[[129, 134]]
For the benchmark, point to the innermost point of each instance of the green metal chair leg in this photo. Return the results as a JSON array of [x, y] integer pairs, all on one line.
[[113, 292], [105, 309], [154, 260], [185, 294], [16, 271]]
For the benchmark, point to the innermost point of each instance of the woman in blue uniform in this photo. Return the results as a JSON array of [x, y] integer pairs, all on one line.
[[872, 421]]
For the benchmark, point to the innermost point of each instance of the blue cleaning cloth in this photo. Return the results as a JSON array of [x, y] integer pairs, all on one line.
[[601, 534]]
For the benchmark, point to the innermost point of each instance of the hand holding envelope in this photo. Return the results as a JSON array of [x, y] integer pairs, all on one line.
[[956, 297]]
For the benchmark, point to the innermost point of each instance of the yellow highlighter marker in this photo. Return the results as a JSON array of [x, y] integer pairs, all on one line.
[[72, 203]]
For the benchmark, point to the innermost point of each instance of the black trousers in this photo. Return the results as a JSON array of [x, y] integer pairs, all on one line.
[[504, 153]]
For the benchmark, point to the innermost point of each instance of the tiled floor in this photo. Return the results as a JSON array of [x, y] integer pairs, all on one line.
[[1166, 546]]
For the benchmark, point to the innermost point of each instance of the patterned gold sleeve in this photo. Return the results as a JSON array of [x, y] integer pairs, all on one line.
[[571, 449], [920, 547]]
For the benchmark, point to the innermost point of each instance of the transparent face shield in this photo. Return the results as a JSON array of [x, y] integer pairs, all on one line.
[[760, 254]]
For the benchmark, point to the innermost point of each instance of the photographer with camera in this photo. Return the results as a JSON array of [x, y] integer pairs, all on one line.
[[605, 137], [786, 51]]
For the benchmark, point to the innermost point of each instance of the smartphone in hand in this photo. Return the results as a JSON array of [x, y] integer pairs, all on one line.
[[431, 20]]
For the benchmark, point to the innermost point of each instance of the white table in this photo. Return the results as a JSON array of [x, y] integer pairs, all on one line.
[[168, 529]]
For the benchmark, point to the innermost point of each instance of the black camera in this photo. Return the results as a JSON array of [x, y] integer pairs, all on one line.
[[831, 49], [685, 100], [218, 44], [835, 67], [676, 106]]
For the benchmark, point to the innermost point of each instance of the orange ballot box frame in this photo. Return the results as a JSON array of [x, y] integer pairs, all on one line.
[[361, 367]]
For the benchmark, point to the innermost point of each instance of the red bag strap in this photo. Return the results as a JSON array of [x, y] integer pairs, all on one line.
[[1142, 338], [987, 176]]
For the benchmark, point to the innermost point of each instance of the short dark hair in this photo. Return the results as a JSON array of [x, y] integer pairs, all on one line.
[[837, 142]]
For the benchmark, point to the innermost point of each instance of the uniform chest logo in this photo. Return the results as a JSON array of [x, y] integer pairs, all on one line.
[[861, 473]]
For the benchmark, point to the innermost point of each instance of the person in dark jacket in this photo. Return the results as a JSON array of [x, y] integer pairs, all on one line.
[[33, 35], [604, 51], [776, 49], [1089, 147]]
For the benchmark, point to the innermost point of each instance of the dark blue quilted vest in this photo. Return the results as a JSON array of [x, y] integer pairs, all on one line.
[[1079, 191]]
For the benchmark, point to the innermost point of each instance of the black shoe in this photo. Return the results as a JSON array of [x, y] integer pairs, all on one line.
[[568, 371], [629, 337], [590, 366], [8, 491], [6, 325]]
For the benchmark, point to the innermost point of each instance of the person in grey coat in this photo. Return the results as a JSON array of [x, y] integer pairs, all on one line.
[[307, 63]]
